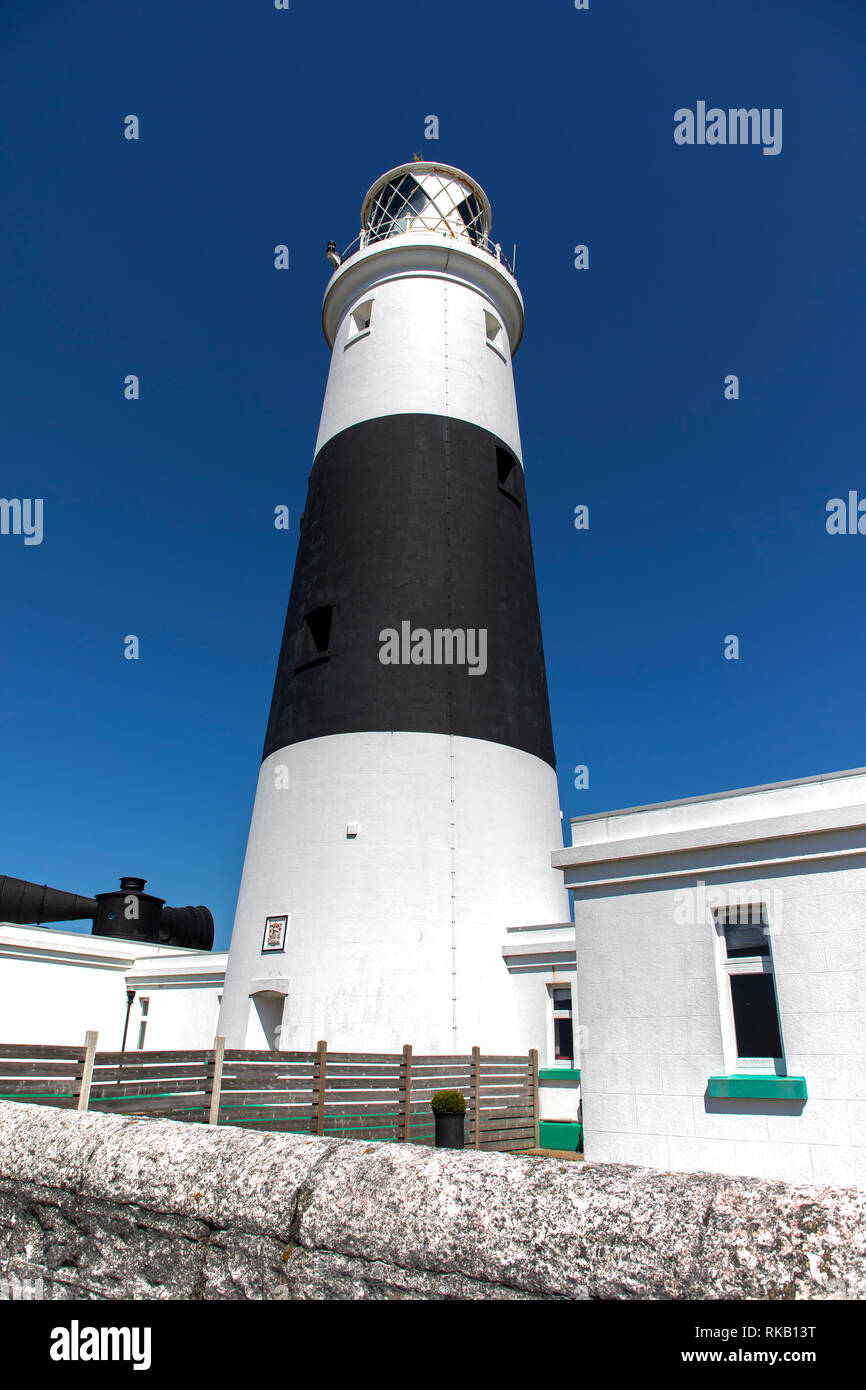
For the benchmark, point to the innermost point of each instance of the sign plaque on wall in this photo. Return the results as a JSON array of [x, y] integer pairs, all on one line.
[[275, 933]]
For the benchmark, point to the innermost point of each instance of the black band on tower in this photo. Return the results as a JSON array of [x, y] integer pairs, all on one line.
[[419, 519]]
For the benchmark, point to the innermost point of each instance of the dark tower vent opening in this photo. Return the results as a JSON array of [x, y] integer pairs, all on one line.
[[506, 469], [316, 637], [493, 329], [362, 316]]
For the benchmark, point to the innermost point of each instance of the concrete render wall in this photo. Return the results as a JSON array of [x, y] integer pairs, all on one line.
[[654, 990], [379, 907], [409, 363], [108, 1207], [649, 1002], [55, 985]]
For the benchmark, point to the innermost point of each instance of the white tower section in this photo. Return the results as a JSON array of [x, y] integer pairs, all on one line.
[[407, 804], [432, 284]]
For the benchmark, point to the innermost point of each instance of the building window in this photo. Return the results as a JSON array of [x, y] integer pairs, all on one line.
[[359, 321], [563, 1026], [508, 475], [316, 637], [750, 1010], [495, 334], [142, 1027]]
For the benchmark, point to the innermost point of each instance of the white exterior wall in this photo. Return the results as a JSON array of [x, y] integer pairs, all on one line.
[[184, 997], [365, 906], [426, 351], [541, 958], [57, 985], [558, 1100], [653, 1006]]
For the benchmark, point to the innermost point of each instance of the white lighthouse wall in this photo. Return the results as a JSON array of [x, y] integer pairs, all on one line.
[[426, 352], [368, 962]]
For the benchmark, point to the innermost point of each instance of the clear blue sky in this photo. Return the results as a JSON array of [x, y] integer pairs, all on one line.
[[156, 257]]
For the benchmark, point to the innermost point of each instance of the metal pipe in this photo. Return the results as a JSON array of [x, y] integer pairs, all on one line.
[[130, 996]]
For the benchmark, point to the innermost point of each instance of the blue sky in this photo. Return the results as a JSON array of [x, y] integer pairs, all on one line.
[[258, 127]]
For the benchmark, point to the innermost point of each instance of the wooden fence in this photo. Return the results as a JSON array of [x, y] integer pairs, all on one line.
[[370, 1095]]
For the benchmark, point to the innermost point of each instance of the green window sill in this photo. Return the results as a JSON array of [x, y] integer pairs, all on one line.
[[757, 1087], [559, 1074]]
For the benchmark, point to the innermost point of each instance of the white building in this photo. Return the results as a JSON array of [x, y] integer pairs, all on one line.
[[721, 967], [57, 985], [720, 983]]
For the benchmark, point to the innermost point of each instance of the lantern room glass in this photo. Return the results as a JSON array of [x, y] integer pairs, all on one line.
[[428, 200]]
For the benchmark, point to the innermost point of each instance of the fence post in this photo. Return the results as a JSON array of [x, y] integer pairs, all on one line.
[[318, 1125], [406, 1093], [476, 1097], [533, 1076], [216, 1080], [87, 1071]]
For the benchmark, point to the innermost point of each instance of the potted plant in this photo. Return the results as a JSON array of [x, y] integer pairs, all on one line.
[[449, 1109]]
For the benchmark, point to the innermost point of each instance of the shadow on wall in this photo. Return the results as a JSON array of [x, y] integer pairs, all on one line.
[[715, 1105]]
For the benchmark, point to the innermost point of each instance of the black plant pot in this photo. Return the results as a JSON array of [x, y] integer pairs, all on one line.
[[449, 1130]]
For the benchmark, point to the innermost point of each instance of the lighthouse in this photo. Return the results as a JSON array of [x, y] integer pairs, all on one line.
[[406, 805]]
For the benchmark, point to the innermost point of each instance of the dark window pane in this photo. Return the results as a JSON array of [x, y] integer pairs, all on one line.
[[392, 213], [562, 998], [470, 213], [319, 627], [508, 475], [563, 1040], [391, 199], [746, 941], [315, 637], [755, 1018]]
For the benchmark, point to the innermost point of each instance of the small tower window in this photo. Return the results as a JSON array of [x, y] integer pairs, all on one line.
[[495, 334], [316, 637], [359, 321], [507, 475]]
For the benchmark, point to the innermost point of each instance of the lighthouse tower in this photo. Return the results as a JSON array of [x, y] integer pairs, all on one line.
[[407, 805]]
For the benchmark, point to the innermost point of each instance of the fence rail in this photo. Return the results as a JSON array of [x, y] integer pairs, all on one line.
[[376, 1096]]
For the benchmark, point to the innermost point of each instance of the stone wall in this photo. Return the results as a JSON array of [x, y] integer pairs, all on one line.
[[102, 1206]]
